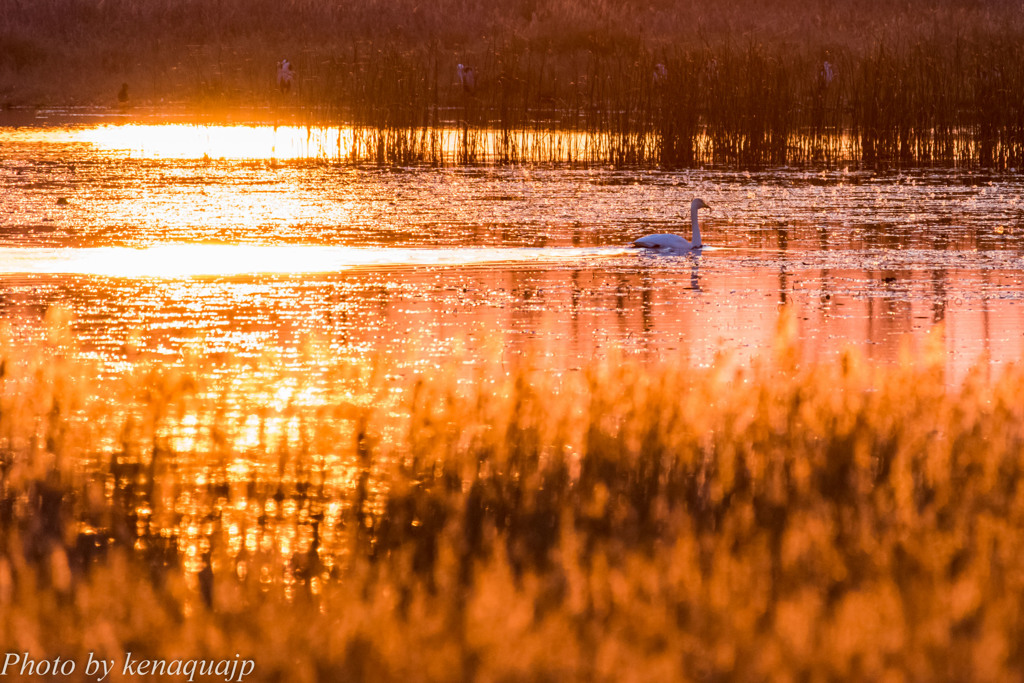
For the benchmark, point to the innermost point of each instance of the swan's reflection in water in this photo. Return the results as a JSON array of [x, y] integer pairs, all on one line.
[[695, 276]]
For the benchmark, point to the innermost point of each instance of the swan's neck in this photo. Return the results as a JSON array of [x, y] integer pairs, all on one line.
[[696, 226]]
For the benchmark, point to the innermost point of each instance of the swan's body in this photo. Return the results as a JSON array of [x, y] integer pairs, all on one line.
[[667, 242], [674, 244]]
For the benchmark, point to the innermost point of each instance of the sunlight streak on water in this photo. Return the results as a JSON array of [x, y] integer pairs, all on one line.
[[282, 143], [189, 260], [190, 141]]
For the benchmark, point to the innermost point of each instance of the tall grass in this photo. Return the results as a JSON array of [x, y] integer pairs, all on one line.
[[921, 83], [786, 520], [737, 106]]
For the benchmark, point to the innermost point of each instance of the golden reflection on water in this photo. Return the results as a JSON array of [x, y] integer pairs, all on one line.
[[290, 142], [185, 141], [192, 260], [282, 143]]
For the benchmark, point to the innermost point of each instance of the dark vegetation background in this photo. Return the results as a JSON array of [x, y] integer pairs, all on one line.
[[911, 82], [79, 51]]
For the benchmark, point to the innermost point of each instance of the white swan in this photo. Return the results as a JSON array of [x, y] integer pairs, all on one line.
[[285, 74], [674, 244], [660, 74], [467, 78], [827, 72]]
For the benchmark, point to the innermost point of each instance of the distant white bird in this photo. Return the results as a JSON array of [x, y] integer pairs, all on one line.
[[467, 78], [660, 74], [827, 72], [674, 244], [711, 69], [284, 75]]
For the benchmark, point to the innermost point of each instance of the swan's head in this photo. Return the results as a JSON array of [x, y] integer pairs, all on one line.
[[699, 204]]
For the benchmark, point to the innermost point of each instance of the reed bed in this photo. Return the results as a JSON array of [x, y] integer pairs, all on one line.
[[568, 82], [744, 107], [784, 520]]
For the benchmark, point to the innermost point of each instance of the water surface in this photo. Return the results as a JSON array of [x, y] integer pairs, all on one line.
[[257, 257], [240, 237]]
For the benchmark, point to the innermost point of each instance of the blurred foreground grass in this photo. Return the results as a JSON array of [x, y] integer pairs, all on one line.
[[628, 521]]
